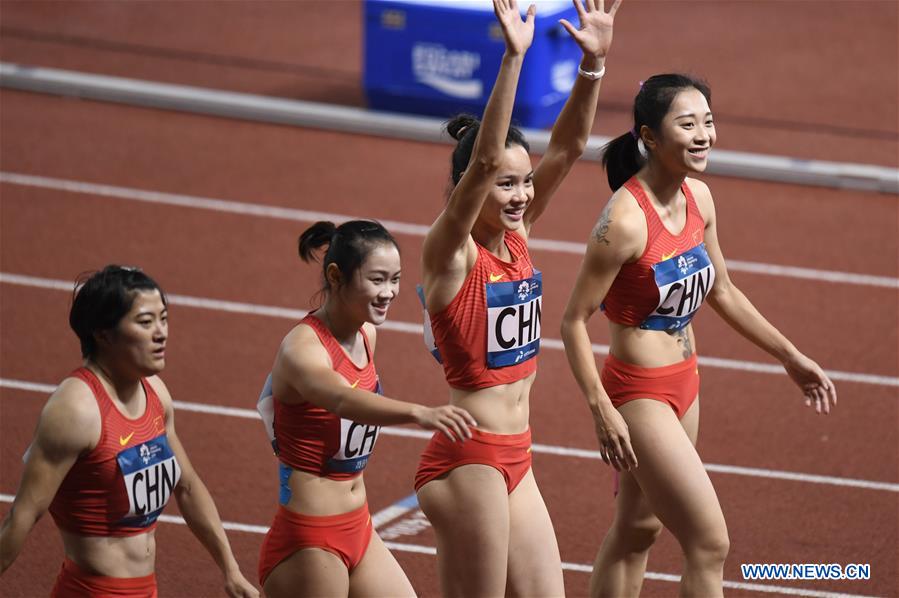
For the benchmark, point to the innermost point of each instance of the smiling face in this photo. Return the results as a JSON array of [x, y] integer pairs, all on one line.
[[373, 286], [685, 135], [512, 191], [137, 343]]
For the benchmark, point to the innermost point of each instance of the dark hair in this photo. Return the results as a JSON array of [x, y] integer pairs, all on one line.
[[348, 245], [464, 129], [621, 157], [101, 299]]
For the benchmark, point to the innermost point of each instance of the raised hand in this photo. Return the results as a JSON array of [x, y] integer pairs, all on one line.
[[815, 384], [594, 36], [518, 34]]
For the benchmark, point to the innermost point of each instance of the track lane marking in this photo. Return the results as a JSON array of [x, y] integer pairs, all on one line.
[[296, 215], [578, 567], [548, 449], [416, 329]]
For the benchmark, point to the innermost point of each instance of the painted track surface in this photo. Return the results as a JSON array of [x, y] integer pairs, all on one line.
[[218, 358]]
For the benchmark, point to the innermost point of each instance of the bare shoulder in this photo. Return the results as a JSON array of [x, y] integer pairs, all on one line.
[[301, 346], [70, 420], [703, 196], [162, 391], [439, 255], [621, 222]]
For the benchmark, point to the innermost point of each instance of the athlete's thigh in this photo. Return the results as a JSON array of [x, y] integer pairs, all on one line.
[[535, 568], [632, 509], [670, 472], [690, 421], [378, 574], [469, 510], [308, 572]]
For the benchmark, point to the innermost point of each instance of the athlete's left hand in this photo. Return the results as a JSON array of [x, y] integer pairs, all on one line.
[[815, 384], [236, 586], [595, 33]]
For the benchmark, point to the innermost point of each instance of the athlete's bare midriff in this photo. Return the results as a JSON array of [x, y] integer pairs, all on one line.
[[319, 496], [110, 556], [651, 348], [502, 409]]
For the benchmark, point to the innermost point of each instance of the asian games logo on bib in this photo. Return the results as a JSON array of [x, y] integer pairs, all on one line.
[[526, 288], [685, 262], [523, 290], [145, 454]]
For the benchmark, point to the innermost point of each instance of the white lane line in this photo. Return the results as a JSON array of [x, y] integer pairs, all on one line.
[[416, 329], [358, 121], [580, 568], [394, 511], [279, 213], [548, 449]]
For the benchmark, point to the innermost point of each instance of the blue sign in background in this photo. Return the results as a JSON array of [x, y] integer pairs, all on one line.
[[441, 58]]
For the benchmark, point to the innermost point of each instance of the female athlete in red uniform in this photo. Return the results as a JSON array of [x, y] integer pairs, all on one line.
[[652, 260], [494, 534], [322, 406], [105, 458]]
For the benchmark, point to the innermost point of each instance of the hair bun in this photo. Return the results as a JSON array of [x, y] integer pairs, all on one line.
[[460, 125]]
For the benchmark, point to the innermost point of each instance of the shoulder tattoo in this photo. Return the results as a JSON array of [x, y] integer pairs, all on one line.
[[602, 227]]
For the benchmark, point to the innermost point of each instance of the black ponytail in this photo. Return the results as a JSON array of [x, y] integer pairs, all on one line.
[[464, 129], [621, 157], [314, 238], [347, 245]]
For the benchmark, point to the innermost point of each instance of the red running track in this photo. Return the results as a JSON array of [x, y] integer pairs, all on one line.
[[217, 358]]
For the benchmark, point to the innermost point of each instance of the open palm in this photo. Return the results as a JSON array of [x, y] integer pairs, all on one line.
[[518, 34], [595, 33]]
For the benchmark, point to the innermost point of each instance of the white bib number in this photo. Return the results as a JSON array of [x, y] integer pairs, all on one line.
[[150, 472], [514, 312], [683, 282]]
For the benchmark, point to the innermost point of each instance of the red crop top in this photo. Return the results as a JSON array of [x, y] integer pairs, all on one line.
[[122, 485], [312, 439], [489, 334], [665, 287]]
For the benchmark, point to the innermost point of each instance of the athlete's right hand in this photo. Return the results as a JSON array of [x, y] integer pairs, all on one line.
[[236, 586], [518, 34], [614, 439], [453, 421]]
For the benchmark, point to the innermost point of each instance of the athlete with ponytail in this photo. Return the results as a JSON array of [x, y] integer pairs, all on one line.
[[652, 260], [494, 534], [322, 406]]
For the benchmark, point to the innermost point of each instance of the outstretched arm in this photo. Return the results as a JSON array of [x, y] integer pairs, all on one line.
[[572, 127], [198, 508], [448, 237], [735, 308], [305, 366]]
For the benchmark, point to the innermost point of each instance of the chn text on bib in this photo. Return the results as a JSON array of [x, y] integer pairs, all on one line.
[[683, 281], [513, 320]]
